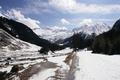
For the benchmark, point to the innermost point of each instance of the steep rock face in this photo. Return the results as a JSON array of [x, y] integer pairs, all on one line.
[[24, 33], [108, 42]]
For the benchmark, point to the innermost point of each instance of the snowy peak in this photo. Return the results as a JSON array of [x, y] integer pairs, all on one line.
[[89, 27]]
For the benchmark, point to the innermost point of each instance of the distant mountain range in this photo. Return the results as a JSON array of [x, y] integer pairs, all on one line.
[[93, 27], [55, 34]]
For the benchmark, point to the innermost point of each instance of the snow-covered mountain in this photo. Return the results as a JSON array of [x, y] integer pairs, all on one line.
[[89, 27], [55, 33]]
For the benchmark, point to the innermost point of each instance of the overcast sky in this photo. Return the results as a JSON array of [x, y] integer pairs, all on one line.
[[67, 13]]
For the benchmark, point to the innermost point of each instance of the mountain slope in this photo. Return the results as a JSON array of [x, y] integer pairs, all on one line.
[[24, 33], [108, 42], [9, 43]]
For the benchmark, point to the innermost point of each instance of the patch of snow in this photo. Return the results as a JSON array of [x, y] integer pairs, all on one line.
[[6, 69], [67, 50], [58, 60], [44, 75]]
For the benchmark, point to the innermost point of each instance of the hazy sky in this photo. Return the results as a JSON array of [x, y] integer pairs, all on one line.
[[63, 12]]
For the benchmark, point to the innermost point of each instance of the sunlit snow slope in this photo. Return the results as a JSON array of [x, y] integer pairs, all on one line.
[[97, 67]]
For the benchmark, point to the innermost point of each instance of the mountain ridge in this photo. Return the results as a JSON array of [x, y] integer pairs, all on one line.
[[61, 34]]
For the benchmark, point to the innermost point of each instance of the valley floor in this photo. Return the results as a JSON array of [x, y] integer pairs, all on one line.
[[81, 65]]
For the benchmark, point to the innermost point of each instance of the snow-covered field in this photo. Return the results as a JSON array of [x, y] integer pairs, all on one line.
[[81, 65], [98, 67]]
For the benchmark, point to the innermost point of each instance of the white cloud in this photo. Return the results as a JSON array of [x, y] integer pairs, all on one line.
[[36, 7], [64, 21], [58, 28], [86, 22], [72, 6], [62, 25], [17, 15], [14, 14]]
